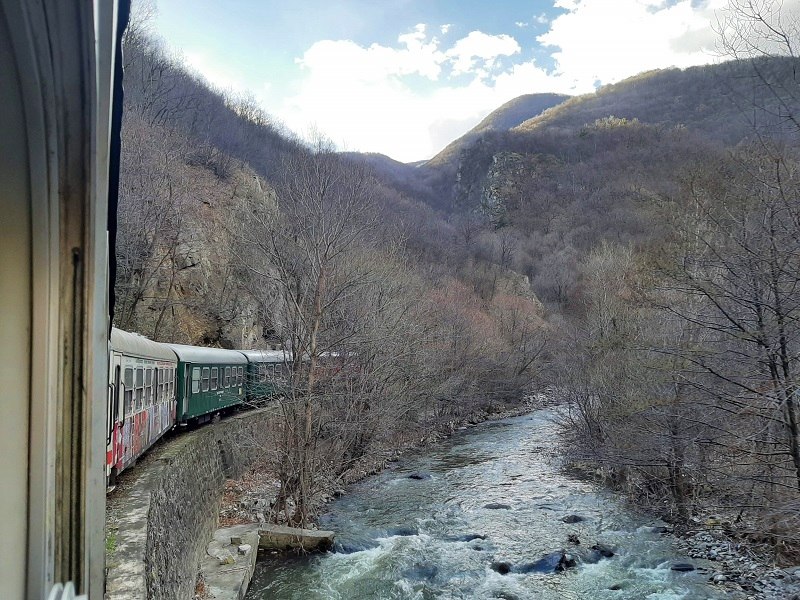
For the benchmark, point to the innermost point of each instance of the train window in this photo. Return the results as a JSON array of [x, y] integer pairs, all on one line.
[[240, 378], [196, 380], [204, 380], [139, 389], [148, 387], [128, 381], [227, 381], [214, 377]]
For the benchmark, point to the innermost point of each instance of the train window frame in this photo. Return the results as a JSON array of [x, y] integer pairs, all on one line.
[[204, 379], [195, 380], [214, 378], [148, 386], [128, 395], [139, 387], [226, 379], [240, 376]]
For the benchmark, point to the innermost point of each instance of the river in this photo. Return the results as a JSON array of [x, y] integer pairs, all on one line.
[[404, 538]]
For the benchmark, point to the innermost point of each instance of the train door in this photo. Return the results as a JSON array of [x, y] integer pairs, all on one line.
[[114, 433], [173, 396], [187, 383]]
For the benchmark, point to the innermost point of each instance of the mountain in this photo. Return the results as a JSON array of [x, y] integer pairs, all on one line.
[[509, 115], [723, 102]]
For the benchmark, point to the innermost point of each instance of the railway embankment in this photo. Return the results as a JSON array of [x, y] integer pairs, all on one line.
[[164, 513]]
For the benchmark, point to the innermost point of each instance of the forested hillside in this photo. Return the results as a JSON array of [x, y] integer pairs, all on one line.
[[232, 233], [658, 220], [635, 250]]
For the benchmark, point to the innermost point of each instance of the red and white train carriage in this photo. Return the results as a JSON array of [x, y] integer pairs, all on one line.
[[141, 394]]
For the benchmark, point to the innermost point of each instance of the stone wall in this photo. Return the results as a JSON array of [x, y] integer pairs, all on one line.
[[168, 513]]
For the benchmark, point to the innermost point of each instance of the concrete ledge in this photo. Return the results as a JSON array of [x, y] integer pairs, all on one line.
[[278, 537], [228, 567], [127, 577]]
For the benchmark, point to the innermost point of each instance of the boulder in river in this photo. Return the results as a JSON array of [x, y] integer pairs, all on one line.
[[352, 547], [682, 567], [661, 529], [574, 539], [501, 567], [401, 531], [467, 537], [573, 519], [603, 550], [497, 505], [554, 562], [419, 476]]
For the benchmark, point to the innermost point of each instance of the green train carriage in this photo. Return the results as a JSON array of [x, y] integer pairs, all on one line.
[[268, 373], [210, 381]]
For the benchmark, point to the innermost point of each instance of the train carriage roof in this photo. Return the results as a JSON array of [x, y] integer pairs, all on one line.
[[196, 354], [134, 344], [267, 356]]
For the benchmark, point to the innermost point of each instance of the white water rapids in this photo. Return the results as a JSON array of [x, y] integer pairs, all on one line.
[[402, 538]]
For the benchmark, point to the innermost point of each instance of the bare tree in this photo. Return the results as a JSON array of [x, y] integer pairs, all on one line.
[[308, 251]]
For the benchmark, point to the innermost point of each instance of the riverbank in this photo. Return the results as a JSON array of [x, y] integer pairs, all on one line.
[[739, 566], [249, 498]]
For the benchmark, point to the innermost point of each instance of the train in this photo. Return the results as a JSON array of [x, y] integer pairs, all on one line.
[[155, 387]]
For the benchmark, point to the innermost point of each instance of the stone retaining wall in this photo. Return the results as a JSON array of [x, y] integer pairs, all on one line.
[[169, 512]]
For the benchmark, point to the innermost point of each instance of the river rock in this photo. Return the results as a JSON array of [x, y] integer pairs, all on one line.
[[501, 567], [419, 476], [467, 537], [573, 519], [401, 531], [496, 506], [682, 567], [603, 550], [574, 539], [346, 548], [661, 529], [551, 563]]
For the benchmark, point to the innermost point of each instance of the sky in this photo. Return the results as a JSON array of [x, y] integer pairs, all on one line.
[[406, 77]]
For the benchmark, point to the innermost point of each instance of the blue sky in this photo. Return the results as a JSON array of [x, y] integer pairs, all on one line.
[[406, 77]]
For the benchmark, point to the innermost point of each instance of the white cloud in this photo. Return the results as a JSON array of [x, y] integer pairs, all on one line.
[[445, 28], [478, 49], [603, 41], [366, 98], [521, 24], [337, 62], [411, 98]]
